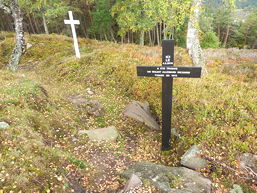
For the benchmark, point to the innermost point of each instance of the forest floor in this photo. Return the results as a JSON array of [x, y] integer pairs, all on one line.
[[42, 151]]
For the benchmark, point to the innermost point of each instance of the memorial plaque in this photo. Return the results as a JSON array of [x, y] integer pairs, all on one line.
[[167, 72]]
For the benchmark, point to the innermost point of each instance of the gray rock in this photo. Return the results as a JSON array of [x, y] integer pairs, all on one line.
[[192, 158], [170, 179], [93, 107], [4, 125], [236, 189], [248, 162], [103, 134], [141, 112], [133, 183]]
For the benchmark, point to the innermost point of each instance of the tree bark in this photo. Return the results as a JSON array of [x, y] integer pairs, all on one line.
[[19, 47], [193, 43], [36, 25], [31, 24], [45, 24], [150, 38], [160, 32], [112, 35], [158, 35], [219, 32], [254, 43], [142, 38], [226, 36]]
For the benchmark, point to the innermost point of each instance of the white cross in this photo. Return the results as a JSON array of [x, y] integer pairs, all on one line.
[[73, 23]]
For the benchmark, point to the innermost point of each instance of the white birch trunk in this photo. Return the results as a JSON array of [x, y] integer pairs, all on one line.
[[45, 24], [19, 48], [193, 43], [142, 38]]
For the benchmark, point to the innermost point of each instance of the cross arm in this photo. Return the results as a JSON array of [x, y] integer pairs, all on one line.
[[71, 22], [4, 7]]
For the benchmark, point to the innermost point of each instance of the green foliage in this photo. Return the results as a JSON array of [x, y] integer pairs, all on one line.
[[102, 19], [135, 15], [249, 29], [79, 163], [210, 40], [143, 15]]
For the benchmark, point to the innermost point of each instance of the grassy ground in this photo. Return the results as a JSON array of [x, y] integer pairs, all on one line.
[[43, 152]]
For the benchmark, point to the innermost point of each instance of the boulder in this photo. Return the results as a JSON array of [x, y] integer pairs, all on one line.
[[248, 162], [4, 125], [236, 189], [103, 134], [93, 107], [170, 179], [132, 183], [192, 158], [141, 112]]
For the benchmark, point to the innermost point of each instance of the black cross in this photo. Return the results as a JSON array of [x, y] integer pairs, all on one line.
[[168, 71]]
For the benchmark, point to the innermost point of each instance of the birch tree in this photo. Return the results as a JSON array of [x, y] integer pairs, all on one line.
[[12, 7], [193, 43]]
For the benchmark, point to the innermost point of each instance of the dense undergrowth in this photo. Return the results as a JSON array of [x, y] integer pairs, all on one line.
[[37, 152]]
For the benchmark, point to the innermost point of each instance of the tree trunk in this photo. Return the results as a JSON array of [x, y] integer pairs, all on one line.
[[112, 35], [226, 36], [142, 38], [122, 39], [150, 38], [254, 43], [154, 36], [158, 35], [160, 32], [31, 24], [164, 31], [36, 25], [193, 43], [219, 32], [83, 27], [45, 24], [19, 47], [128, 37]]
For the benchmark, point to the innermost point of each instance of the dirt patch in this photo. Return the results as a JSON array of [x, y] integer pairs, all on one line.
[[107, 165]]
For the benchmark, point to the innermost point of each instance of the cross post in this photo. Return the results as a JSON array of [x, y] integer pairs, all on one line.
[[73, 22], [167, 72]]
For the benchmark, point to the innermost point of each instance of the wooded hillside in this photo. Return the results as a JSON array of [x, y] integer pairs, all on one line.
[[143, 21]]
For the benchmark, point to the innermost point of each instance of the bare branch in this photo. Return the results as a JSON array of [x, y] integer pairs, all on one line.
[[4, 7]]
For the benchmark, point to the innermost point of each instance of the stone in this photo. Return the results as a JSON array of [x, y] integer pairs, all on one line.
[[132, 183], [93, 107], [102, 134], [192, 158], [28, 46], [88, 90], [4, 125], [236, 189], [248, 162], [170, 179], [141, 112]]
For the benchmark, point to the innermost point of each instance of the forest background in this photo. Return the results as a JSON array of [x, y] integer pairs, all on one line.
[[144, 22]]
